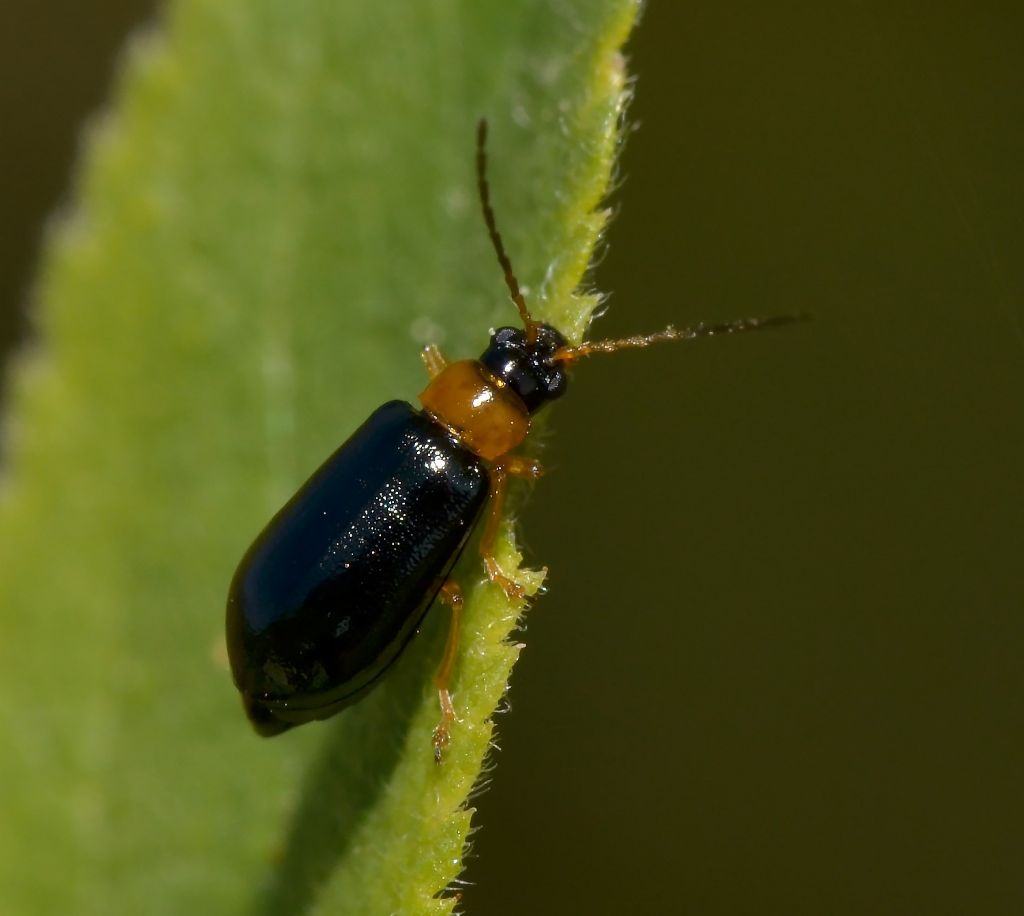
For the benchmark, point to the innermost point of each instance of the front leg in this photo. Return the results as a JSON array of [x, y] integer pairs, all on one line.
[[500, 471], [434, 360]]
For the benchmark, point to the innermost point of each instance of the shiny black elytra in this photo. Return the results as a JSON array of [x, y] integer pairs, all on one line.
[[334, 588]]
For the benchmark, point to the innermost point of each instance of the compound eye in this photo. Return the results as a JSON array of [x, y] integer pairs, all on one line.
[[549, 339], [556, 383], [505, 337]]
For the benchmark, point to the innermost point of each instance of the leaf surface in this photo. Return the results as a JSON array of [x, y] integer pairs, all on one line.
[[277, 212]]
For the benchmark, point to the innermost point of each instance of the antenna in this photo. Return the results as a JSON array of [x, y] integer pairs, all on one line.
[[492, 228], [704, 329]]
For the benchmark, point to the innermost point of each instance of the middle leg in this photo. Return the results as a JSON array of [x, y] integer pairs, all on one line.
[[450, 595]]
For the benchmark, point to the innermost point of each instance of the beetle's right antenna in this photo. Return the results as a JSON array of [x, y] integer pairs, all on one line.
[[705, 329], [492, 228]]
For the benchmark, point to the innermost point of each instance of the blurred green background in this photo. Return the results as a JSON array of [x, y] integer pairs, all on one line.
[[787, 677]]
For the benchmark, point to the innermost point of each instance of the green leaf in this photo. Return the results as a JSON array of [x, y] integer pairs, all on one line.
[[277, 213]]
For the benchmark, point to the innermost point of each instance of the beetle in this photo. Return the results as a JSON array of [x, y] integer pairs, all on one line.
[[337, 584]]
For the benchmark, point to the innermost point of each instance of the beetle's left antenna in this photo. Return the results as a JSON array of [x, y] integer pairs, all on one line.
[[492, 228]]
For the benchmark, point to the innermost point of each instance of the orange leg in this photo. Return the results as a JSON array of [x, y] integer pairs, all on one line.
[[434, 360], [451, 595], [501, 470]]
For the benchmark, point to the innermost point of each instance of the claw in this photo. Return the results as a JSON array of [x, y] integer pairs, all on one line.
[[512, 589], [442, 737]]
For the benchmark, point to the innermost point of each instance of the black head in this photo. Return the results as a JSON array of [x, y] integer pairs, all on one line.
[[528, 368]]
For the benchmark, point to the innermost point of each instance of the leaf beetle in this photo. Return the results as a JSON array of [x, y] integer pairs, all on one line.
[[337, 583]]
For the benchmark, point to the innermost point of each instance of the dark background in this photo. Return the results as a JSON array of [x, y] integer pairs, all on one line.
[[778, 670]]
